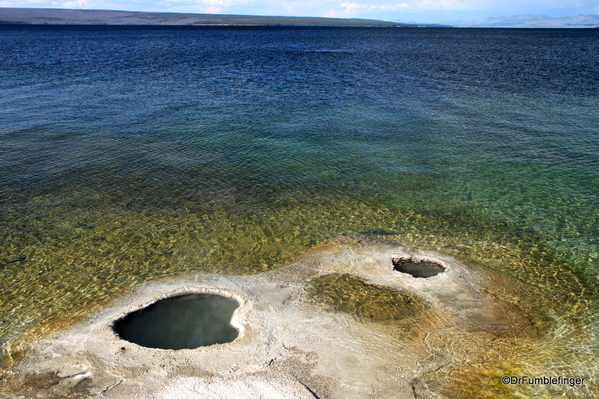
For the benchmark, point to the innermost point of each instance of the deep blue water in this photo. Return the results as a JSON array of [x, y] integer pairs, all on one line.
[[133, 153]]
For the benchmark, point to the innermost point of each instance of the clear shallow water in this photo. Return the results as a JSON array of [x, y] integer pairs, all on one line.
[[128, 154]]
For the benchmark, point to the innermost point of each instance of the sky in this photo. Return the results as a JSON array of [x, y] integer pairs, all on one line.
[[419, 11]]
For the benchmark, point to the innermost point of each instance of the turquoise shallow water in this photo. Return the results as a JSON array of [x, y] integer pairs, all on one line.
[[130, 154]]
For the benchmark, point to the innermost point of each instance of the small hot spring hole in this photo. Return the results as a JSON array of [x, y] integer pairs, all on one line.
[[181, 322], [417, 268]]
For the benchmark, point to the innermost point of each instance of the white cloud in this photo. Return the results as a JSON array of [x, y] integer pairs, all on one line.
[[374, 7], [223, 3], [213, 6], [213, 10], [79, 4], [451, 4], [349, 9]]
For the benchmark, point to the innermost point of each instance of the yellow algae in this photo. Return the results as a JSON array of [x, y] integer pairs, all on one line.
[[78, 257], [350, 294]]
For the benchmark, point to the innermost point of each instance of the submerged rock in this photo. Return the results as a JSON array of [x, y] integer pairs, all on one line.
[[351, 294], [14, 260]]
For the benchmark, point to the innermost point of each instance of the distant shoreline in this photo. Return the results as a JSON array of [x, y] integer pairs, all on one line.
[[53, 16]]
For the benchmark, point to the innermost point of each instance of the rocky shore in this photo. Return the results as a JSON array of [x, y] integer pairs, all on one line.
[[339, 322]]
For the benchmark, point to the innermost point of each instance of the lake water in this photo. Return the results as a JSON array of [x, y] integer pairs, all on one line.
[[133, 153]]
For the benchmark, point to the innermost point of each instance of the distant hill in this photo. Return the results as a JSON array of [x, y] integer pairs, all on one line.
[[531, 21], [51, 16]]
